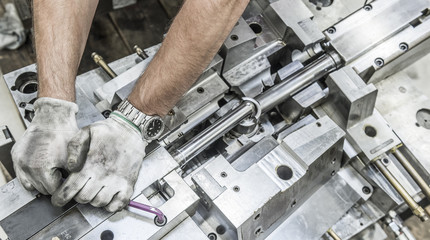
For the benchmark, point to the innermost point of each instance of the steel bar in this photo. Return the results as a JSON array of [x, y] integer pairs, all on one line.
[[414, 174], [296, 82], [197, 144], [416, 209]]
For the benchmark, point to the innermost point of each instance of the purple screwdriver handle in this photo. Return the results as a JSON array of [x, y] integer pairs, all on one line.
[[150, 209]]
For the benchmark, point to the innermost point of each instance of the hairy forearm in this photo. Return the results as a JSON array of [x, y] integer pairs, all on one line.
[[195, 36], [61, 30]]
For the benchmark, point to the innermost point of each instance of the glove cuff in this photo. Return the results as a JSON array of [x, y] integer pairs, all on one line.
[[55, 112], [120, 118]]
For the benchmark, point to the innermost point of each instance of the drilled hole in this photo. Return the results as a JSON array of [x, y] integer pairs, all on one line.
[[256, 28], [200, 90], [26, 82], [284, 172], [107, 235], [258, 231], [234, 37], [370, 131], [220, 229]]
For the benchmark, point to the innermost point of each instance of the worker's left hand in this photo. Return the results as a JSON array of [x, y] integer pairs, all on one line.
[[104, 161]]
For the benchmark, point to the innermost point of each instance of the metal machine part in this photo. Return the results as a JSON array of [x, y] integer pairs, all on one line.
[[6, 144], [294, 129]]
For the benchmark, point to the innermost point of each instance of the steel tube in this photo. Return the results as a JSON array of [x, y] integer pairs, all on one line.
[[269, 99], [197, 144], [414, 174], [416, 209], [296, 82]]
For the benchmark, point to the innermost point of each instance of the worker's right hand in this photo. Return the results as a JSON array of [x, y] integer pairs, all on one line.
[[42, 150]]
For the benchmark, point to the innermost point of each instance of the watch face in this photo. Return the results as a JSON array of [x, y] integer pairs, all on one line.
[[154, 128]]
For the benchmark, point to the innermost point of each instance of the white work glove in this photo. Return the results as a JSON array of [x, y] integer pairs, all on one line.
[[42, 150], [104, 159]]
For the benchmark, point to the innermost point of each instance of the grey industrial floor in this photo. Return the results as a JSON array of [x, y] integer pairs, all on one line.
[[114, 43]]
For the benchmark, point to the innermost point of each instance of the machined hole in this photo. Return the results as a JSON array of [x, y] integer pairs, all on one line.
[[256, 28], [370, 131], [107, 235], [26, 83], [284, 172]]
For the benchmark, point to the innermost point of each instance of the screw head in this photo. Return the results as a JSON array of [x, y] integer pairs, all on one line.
[[404, 46], [331, 30], [368, 7], [379, 62], [366, 190], [236, 188]]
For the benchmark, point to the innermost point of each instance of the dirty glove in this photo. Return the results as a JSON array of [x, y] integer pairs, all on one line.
[[42, 150], [105, 159]]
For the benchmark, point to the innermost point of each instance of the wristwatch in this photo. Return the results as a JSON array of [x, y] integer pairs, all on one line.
[[151, 127]]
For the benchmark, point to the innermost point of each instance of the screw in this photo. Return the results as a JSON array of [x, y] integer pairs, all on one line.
[[331, 30], [234, 37], [22, 104], [236, 188], [379, 62], [200, 90], [293, 204], [106, 113], [212, 236], [366, 190], [385, 161], [368, 7], [403, 46], [223, 174]]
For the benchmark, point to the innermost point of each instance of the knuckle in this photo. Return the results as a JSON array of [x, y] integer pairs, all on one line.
[[100, 203]]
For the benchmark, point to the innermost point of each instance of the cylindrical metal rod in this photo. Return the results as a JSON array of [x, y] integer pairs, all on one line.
[[414, 174], [416, 209], [333, 234], [197, 144], [267, 101], [99, 61], [296, 82], [141, 53]]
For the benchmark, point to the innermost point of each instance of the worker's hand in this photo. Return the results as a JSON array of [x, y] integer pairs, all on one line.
[[104, 159], [42, 150]]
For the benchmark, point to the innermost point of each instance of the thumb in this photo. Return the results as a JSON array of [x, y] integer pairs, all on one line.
[[77, 150]]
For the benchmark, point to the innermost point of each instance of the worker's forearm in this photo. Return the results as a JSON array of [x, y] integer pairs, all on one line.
[[61, 30], [195, 36]]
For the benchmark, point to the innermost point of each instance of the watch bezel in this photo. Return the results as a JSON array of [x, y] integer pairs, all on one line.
[[145, 126]]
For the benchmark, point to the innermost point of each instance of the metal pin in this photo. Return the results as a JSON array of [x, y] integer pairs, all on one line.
[[99, 61], [414, 174], [416, 209], [333, 234], [140, 52]]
